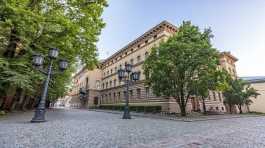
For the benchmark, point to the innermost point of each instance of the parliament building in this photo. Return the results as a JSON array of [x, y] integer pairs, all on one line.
[[101, 86]]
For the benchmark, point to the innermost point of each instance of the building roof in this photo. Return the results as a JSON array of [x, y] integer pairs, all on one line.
[[228, 53], [143, 37], [254, 79]]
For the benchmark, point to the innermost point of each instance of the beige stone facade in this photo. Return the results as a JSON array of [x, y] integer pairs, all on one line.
[[258, 104], [89, 81], [110, 91]]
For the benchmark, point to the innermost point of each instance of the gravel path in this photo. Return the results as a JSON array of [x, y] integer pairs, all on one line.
[[89, 129]]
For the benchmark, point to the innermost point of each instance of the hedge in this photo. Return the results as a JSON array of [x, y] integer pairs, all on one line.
[[149, 109]]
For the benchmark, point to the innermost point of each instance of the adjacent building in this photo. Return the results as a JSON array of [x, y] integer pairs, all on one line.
[[86, 88], [103, 87], [258, 83]]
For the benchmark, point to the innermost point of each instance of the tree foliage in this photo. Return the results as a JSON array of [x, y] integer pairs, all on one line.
[[30, 26], [211, 80], [239, 94], [177, 66]]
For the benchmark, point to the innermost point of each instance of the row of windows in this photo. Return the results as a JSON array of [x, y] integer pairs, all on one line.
[[109, 84], [126, 52], [138, 94], [82, 84], [117, 95], [232, 71], [112, 83], [147, 91], [215, 96], [111, 71], [216, 108]]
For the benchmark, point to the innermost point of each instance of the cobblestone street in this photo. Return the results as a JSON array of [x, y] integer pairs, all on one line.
[[89, 129]]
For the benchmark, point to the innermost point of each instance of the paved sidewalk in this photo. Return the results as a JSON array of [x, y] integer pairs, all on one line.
[[73, 128]]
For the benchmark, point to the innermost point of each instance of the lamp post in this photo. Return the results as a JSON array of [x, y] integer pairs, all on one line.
[[38, 60], [128, 76]]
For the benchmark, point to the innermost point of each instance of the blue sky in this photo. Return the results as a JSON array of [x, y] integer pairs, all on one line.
[[238, 26]]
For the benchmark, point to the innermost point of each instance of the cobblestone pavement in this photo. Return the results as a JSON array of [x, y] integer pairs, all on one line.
[[89, 129]]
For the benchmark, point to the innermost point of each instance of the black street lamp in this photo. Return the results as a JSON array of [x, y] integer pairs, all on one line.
[[128, 78], [38, 62]]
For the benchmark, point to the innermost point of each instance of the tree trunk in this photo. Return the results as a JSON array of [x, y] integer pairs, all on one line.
[[11, 47], [182, 106], [10, 98], [230, 108], [240, 109], [182, 110], [248, 108], [3, 103], [20, 100], [25, 103], [204, 106], [21, 107], [16, 98]]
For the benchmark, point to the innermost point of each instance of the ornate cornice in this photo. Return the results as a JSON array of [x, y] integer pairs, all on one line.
[[165, 25]]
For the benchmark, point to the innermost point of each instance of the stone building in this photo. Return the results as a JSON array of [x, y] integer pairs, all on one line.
[[86, 82], [258, 104], [109, 91]]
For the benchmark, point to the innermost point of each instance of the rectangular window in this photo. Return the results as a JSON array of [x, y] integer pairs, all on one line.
[[132, 61], [138, 58], [119, 95], [106, 98], [146, 54], [101, 100], [147, 92], [110, 97], [131, 94], [124, 95], [114, 96], [220, 96], [138, 93], [214, 96]]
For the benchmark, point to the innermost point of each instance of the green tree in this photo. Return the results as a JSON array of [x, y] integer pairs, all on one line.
[[174, 68], [210, 80], [31, 26], [239, 94]]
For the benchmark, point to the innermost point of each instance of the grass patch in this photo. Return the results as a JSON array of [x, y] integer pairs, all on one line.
[[147, 109], [2, 113], [256, 113]]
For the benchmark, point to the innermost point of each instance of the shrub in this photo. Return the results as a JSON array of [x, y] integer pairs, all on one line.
[[148, 109], [2, 113]]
